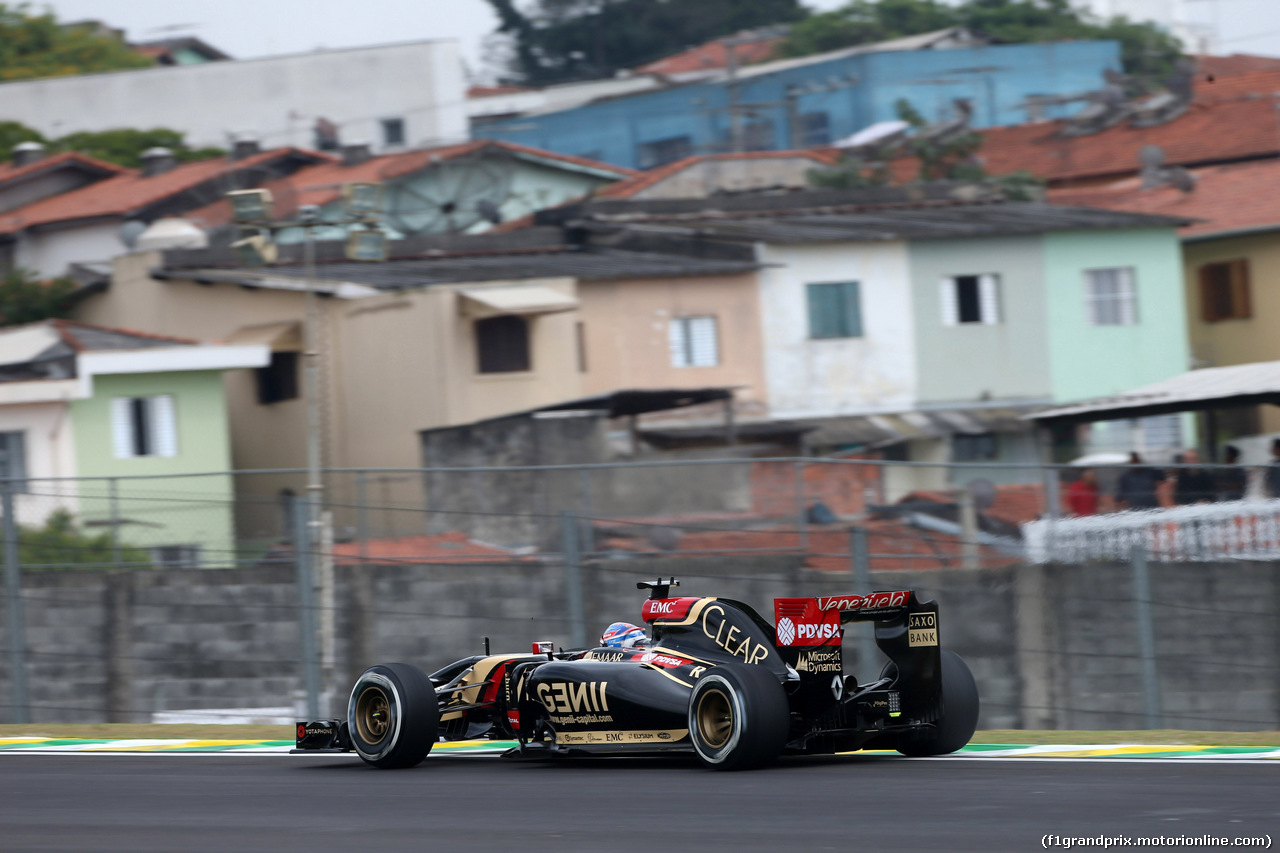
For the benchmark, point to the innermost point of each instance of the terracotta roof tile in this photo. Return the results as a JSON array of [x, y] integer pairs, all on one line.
[[130, 190], [1236, 63], [1238, 196], [10, 172], [441, 548], [893, 546], [489, 91], [712, 55], [1209, 132], [1252, 84]]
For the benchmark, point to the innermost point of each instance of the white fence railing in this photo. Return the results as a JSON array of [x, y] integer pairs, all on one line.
[[1231, 530]]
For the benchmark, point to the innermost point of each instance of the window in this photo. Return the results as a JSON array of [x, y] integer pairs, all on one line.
[[1110, 297], [176, 556], [6, 256], [143, 426], [392, 131], [503, 344], [815, 129], [971, 299], [835, 310], [13, 459], [974, 447], [759, 135], [1224, 291], [694, 342], [662, 151], [278, 381]]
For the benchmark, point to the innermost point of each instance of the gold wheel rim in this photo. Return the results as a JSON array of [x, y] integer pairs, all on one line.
[[715, 718], [373, 715]]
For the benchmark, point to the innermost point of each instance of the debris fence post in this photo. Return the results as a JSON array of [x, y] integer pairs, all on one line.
[[306, 605], [113, 501], [802, 511], [18, 701], [571, 538], [362, 516], [1146, 637], [860, 571]]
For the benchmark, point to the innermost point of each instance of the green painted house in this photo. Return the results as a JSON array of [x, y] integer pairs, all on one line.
[[125, 431]]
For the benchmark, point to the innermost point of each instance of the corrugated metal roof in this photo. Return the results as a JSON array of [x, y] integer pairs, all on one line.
[[592, 265], [1208, 388]]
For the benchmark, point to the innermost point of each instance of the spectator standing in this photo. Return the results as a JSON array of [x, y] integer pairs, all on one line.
[[1137, 486], [1081, 497], [1231, 482], [1273, 471], [1195, 485]]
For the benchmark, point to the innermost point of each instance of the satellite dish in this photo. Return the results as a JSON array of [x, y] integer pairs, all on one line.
[[983, 494], [447, 198], [130, 232]]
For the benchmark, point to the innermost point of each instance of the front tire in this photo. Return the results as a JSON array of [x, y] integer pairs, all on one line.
[[738, 717], [392, 716], [959, 718]]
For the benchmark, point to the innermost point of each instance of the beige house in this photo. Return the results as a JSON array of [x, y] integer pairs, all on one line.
[[416, 344]]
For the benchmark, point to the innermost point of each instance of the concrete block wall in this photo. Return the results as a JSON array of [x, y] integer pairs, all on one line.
[[1051, 646]]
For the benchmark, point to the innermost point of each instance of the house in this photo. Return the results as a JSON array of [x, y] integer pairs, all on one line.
[[89, 415], [798, 103], [389, 96], [931, 318], [78, 215], [1230, 265], [467, 187], [455, 330]]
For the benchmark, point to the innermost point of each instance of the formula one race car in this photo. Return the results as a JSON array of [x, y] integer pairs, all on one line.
[[716, 680]]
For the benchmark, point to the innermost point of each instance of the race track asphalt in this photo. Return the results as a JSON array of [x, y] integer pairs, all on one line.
[[170, 803]]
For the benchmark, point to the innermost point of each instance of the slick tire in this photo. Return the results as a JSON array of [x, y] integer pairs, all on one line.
[[959, 717], [738, 717], [393, 716]]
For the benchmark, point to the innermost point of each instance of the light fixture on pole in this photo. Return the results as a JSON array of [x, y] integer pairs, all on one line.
[[361, 205]]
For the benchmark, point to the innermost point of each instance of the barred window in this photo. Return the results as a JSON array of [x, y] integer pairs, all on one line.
[[694, 342], [1110, 297]]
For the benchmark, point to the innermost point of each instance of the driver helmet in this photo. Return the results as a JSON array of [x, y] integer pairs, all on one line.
[[623, 635]]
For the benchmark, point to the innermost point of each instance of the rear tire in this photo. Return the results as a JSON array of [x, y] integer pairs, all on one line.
[[393, 716], [738, 717], [960, 708]]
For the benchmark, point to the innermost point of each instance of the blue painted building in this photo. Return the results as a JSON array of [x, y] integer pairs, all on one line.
[[813, 100]]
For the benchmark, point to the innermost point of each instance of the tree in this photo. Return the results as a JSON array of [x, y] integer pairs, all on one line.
[[1145, 49], [943, 154], [12, 133], [557, 41], [60, 545], [864, 21], [125, 146], [26, 299], [33, 46]]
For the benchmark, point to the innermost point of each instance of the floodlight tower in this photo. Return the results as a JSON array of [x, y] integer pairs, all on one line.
[[251, 210]]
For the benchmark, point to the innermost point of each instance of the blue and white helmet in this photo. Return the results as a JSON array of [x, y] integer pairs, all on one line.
[[622, 635]]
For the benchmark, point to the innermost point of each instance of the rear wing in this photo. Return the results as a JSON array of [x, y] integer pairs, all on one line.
[[906, 630]]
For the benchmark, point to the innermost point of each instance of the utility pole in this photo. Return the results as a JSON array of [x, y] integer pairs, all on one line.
[[367, 243]]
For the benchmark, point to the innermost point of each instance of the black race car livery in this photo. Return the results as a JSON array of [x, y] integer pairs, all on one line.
[[717, 680]]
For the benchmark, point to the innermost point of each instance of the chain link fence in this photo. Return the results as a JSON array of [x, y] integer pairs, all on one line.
[[107, 619]]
